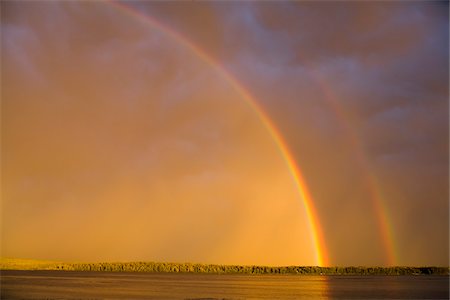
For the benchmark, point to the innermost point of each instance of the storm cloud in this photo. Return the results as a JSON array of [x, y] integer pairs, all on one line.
[[122, 143]]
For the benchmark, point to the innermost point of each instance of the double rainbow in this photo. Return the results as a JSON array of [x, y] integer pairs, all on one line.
[[307, 200]]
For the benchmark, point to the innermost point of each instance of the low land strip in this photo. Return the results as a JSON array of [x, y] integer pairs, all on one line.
[[156, 267]]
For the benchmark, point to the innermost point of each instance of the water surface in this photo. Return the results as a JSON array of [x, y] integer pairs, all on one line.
[[110, 285]]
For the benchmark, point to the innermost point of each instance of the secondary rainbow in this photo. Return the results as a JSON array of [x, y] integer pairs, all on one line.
[[307, 200], [381, 210]]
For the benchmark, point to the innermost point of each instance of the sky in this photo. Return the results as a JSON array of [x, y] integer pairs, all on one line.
[[144, 130]]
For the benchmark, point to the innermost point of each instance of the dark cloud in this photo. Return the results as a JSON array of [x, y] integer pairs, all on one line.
[[358, 90]]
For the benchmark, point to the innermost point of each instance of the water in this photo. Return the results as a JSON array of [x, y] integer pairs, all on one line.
[[106, 285]]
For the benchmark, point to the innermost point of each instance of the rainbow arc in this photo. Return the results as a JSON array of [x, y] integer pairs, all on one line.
[[315, 229]]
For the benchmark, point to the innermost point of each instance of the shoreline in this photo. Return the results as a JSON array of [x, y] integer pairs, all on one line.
[[160, 267]]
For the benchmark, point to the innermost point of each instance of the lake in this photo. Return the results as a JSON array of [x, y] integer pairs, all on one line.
[[109, 285]]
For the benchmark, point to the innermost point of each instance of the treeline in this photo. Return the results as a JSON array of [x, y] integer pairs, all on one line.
[[236, 269]]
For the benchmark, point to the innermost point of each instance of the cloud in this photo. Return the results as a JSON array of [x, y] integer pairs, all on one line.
[[131, 125]]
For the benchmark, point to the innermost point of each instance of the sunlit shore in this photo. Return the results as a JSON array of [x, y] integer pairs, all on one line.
[[158, 267]]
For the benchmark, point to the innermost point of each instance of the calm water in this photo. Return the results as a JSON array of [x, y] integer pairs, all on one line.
[[103, 285]]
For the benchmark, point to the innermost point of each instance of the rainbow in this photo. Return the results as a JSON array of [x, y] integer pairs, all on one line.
[[315, 229]]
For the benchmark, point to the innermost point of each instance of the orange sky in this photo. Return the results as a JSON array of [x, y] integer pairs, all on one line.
[[121, 143]]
